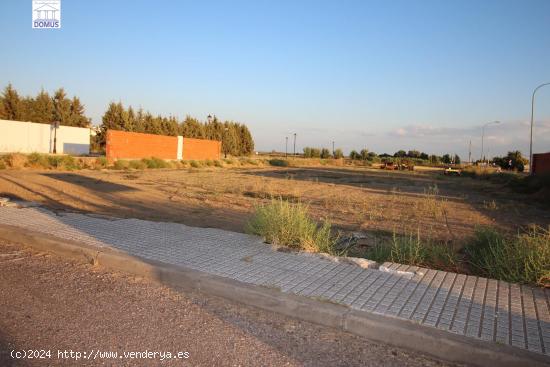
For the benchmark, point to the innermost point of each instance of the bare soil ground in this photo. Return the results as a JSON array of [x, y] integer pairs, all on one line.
[[354, 199], [66, 305]]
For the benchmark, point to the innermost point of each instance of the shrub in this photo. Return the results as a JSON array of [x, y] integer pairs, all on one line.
[[68, 162], [15, 160], [101, 162], [288, 224], [353, 155], [121, 164], [195, 164], [62, 161], [523, 258], [325, 153], [137, 165], [218, 163], [154, 162], [338, 153], [38, 160], [209, 162], [278, 162], [229, 161], [412, 250], [250, 161]]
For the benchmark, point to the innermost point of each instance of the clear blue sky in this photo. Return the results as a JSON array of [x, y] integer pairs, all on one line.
[[384, 75]]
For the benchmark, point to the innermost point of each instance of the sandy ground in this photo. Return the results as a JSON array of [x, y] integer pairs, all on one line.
[[353, 199], [48, 303]]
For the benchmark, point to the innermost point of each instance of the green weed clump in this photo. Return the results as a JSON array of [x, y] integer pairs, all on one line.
[[14, 160], [412, 250], [38, 160], [288, 224], [101, 162], [195, 164], [139, 165], [249, 161], [62, 161], [279, 162], [121, 164], [155, 162], [523, 258], [218, 163]]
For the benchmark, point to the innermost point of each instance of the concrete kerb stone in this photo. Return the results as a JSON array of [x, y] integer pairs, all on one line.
[[400, 333]]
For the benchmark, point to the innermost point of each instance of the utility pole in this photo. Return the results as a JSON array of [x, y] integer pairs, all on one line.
[[333, 149], [55, 127], [294, 144], [470, 153], [286, 146]]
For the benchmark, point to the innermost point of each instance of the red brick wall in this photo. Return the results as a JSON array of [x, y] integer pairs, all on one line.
[[541, 163], [201, 149], [123, 144]]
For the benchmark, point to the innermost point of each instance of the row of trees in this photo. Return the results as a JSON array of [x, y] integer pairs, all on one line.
[[365, 155], [235, 137], [43, 108], [323, 153], [512, 161]]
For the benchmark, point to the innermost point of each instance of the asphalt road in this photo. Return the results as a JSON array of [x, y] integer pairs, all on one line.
[[50, 307]]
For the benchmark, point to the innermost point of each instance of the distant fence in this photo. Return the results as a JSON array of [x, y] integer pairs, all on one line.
[[123, 144], [541, 163], [30, 137]]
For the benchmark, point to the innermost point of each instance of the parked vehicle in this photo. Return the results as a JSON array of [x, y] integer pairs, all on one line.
[[450, 171]]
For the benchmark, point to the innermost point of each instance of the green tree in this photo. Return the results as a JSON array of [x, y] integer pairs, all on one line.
[[214, 129], [170, 126], [192, 128], [247, 143], [62, 107], [513, 160], [400, 154], [413, 154], [434, 159], [43, 108], [231, 143], [456, 159], [446, 158], [115, 118], [3, 115], [77, 117], [364, 154], [11, 102], [354, 155], [325, 153], [338, 153]]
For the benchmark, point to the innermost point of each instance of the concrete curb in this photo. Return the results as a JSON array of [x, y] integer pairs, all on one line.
[[401, 333]]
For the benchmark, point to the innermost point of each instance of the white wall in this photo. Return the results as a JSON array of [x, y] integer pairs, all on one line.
[[73, 140], [30, 137]]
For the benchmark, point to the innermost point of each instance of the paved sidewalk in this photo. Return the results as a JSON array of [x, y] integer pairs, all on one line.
[[475, 307]]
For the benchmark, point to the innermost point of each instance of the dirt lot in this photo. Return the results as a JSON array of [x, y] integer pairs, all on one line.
[[70, 306], [354, 199]]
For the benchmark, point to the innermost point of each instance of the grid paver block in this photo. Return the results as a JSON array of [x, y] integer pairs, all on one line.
[[475, 307]]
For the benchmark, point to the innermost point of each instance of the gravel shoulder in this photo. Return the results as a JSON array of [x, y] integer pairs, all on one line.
[[49, 303]]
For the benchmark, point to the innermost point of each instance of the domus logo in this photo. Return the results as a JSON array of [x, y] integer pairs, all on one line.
[[46, 14]]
